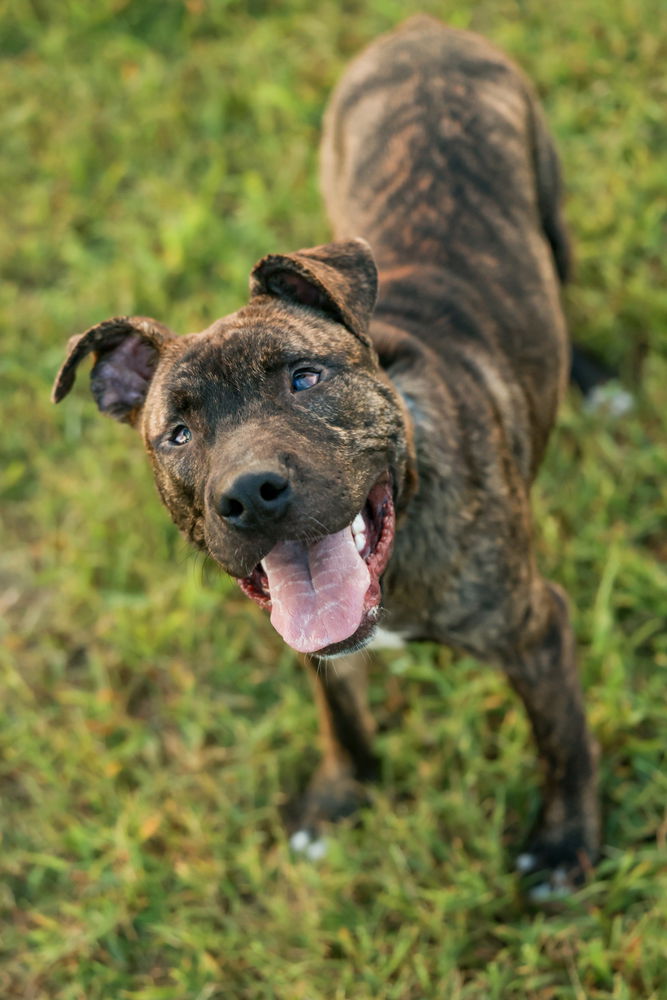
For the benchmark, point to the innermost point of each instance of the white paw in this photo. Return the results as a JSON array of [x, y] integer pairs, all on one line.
[[303, 842], [554, 887], [525, 863], [557, 886], [609, 398]]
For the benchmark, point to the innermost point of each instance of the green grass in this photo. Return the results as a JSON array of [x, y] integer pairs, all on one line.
[[152, 723]]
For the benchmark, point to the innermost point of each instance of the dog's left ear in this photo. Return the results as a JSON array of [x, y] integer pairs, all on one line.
[[338, 279]]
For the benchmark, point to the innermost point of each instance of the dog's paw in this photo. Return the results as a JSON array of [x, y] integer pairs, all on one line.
[[610, 398], [543, 885], [552, 872], [329, 799], [308, 843]]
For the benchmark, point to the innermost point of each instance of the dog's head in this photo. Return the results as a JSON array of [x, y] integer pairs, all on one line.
[[278, 444]]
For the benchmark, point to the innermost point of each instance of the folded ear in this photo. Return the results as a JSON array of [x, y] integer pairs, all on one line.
[[338, 279], [126, 350]]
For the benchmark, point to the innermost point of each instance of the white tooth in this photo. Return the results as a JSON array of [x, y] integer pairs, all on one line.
[[360, 541], [358, 524]]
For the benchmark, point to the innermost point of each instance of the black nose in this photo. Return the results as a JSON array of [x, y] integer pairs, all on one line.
[[255, 498]]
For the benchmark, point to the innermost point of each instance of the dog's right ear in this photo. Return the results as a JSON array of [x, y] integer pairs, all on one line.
[[126, 352]]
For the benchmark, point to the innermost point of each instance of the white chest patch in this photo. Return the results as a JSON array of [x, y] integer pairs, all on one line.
[[384, 639]]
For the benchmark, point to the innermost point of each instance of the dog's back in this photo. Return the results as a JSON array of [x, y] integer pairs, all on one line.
[[436, 152]]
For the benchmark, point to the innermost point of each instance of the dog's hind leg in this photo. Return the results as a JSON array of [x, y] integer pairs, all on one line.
[[346, 732], [542, 668]]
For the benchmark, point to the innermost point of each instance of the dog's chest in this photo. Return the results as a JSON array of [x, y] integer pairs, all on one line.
[[386, 639]]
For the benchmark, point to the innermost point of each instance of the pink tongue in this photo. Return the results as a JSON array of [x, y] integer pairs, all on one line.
[[317, 593]]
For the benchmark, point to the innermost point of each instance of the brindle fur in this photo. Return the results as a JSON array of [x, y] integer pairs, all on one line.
[[435, 151]]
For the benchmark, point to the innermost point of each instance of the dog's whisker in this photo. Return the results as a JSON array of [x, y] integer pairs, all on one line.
[[316, 521]]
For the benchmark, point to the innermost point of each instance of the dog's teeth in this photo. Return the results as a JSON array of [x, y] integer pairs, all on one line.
[[359, 532], [358, 524]]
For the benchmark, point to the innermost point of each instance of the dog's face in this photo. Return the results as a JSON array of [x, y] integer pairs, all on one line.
[[278, 444]]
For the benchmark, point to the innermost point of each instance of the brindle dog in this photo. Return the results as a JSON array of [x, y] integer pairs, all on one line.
[[358, 463]]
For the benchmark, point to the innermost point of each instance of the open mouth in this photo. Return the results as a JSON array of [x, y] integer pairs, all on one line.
[[324, 596]]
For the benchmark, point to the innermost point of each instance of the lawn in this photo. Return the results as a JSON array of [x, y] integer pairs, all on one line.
[[153, 725]]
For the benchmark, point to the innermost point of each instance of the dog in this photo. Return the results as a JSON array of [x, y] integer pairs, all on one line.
[[356, 445]]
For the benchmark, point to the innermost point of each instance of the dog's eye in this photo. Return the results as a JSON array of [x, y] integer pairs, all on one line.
[[304, 378], [180, 435]]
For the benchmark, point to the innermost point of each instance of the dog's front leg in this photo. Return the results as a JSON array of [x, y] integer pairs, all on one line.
[[336, 789], [542, 669]]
